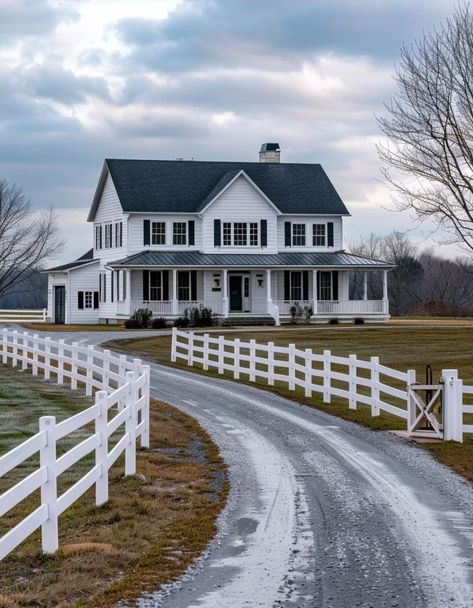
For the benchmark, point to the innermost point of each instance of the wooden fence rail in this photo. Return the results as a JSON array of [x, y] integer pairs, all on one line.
[[23, 315], [355, 380], [121, 409]]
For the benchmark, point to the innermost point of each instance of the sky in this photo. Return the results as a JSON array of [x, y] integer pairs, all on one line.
[[84, 80]]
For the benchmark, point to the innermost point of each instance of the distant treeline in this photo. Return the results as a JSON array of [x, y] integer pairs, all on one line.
[[31, 294]]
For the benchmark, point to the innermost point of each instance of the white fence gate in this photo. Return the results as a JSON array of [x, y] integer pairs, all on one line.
[[356, 380], [121, 385]]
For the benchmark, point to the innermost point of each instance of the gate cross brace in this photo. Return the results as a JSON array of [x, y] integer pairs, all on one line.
[[425, 410]]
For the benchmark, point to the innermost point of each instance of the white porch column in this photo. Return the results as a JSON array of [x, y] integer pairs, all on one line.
[[365, 285], [268, 288], [128, 293], [315, 295], [174, 292], [225, 293], [385, 292]]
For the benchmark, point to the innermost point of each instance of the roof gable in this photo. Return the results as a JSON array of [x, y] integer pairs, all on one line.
[[163, 186]]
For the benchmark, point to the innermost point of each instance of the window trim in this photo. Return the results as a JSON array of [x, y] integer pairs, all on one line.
[[302, 235], [316, 236], [154, 233], [252, 229], [176, 235]]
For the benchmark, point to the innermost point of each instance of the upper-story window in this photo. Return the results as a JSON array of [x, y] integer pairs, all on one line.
[[318, 235], [298, 235], [240, 234], [158, 233], [108, 236], [118, 234], [98, 237], [179, 234]]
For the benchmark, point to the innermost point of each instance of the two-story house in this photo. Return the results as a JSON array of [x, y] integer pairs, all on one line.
[[247, 239]]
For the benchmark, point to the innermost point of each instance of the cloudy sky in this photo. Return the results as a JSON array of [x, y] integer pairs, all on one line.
[[83, 80]]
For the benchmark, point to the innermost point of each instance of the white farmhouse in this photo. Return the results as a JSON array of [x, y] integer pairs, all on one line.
[[247, 239]]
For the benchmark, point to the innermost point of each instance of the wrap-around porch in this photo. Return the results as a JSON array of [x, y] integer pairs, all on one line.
[[242, 292]]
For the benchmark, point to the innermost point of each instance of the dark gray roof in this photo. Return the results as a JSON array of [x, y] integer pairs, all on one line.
[[269, 147], [183, 186], [87, 258], [195, 258]]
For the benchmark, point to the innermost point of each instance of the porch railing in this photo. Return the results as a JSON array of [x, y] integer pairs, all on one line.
[[336, 306]]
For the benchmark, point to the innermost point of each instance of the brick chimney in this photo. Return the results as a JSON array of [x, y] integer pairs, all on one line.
[[270, 153]]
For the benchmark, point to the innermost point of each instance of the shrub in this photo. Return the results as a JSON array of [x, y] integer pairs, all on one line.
[[140, 319], [333, 322], [182, 322], [132, 324], [200, 316], [158, 323], [359, 321], [299, 314], [307, 312]]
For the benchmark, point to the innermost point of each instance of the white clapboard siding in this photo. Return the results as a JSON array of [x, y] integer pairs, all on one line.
[[308, 221], [82, 279], [109, 211], [241, 202], [121, 406], [135, 231]]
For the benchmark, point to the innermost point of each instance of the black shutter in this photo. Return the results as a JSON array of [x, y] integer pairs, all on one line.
[[146, 232], [100, 236], [193, 285], [335, 284], [121, 234], [145, 285], [287, 234], [264, 233], [305, 284], [191, 232], [81, 300], [165, 285], [287, 285], [96, 300], [217, 233], [330, 234], [112, 286]]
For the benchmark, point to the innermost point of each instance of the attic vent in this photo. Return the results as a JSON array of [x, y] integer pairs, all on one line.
[[270, 153]]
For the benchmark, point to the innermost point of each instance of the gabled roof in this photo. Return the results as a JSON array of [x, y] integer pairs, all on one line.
[[195, 258], [87, 258], [167, 186]]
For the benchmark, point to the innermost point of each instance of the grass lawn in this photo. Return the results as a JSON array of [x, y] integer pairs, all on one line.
[[153, 527], [72, 327], [403, 347]]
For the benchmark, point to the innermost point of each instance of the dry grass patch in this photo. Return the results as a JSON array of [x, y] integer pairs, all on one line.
[[152, 528], [71, 327]]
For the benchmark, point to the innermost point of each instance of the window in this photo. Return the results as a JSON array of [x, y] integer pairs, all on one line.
[[298, 235], [118, 234], [98, 237], [158, 233], [156, 285], [87, 300], [253, 234], [179, 233], [240, 234], [325, 286], [108, 236], [183, 286], [227, 234], [296, 285], [318, 235]]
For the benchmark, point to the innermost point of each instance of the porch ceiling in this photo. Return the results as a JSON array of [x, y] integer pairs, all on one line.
[[338, 259]]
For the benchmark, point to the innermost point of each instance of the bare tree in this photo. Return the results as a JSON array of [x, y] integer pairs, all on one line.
[[27, 239], [429, 124]]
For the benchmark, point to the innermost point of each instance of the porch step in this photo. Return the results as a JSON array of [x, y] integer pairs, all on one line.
[[254, 320]]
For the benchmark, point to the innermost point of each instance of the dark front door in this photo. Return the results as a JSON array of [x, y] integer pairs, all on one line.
[[60, 305], [236, 299]]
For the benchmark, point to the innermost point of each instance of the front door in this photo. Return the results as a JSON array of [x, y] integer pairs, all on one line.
[[59, 304], [236, 296]]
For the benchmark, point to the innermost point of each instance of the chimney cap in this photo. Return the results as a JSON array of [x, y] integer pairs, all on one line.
[[270, 147]]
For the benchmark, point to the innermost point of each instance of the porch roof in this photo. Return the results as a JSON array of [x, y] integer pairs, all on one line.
[[196, 258]]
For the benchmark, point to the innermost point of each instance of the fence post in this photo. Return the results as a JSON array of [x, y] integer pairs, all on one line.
[[271, 363], [89, 374], [60, 362], [130, 426], [45, 315], [327, 355], [35, 354], [74, 358], [205, 352], [173, 344], [452, 406], [291, 362], [121, 368], [190, 348], [352, 384], [375, 386], [101, 451], [221, 354], [15, 348], [47, 358], [145, 408], [25, 345], [252, 362], [47, 458], [411, 404], [106, 370], [5, 346], [308, 372], [236, 358]]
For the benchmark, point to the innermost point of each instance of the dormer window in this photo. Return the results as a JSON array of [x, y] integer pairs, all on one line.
[[318, 235], [240, 234], [298, 235], [179, 234], [158, 233]]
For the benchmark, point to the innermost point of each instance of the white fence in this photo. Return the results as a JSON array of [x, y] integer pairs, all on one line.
[[23, 315], [121, 409], [356, 380]]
